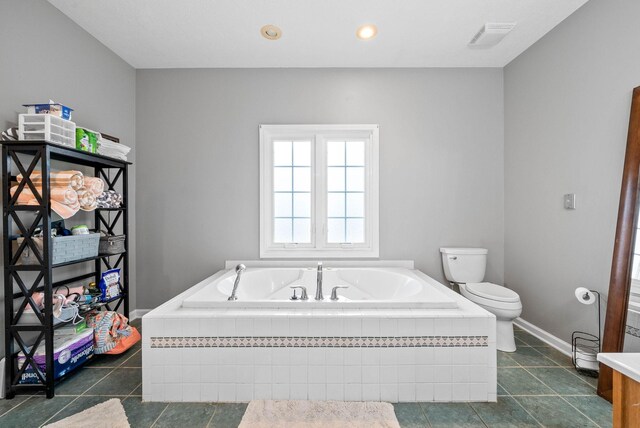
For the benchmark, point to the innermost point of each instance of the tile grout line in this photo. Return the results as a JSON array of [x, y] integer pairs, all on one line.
[[548, 395], [527, 411], [562, 398], [520, 404], [132, 391], [578, 410], [424, 413], [478, 414], [574, 373], [517, 401], [161, 413], [557, 365], [17, 405], [527, 370], [64, 407], [78, 396], [215, 410], [579, 377]]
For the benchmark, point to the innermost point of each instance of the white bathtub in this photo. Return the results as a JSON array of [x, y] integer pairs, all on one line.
[[395, 335], [367, 288]]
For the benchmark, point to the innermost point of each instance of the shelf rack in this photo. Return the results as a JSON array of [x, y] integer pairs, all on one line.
[[42, 153]]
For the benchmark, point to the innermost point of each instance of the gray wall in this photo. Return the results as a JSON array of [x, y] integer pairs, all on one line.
[[46, 55], [441, 161], [567, 102]]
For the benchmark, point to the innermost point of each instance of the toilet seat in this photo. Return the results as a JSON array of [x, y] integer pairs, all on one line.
[[493, 292]]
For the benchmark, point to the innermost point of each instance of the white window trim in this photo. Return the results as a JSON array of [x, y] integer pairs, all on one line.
[[318, 248]]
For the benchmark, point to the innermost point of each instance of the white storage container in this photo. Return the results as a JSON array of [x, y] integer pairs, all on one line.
[[48, 128]]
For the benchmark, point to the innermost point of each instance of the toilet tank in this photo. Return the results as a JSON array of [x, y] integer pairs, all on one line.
[[464, 265]]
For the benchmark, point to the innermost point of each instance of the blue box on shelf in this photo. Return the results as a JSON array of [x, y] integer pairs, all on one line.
[[55, 109]]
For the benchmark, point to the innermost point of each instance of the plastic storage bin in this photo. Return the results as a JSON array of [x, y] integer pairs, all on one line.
[[65, 248], [48, 128]]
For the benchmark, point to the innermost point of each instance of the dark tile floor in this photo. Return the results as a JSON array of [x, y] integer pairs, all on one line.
[[537, 386]]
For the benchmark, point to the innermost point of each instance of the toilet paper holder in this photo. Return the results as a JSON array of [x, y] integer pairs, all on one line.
[[586, 346]]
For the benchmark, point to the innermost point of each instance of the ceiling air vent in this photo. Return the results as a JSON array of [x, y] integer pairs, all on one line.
[[491, 34]]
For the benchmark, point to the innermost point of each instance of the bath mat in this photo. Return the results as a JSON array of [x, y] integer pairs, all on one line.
[[316, 414], [109, 414]]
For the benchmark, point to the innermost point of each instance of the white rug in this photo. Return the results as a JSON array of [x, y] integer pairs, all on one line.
[[311, 414], [109, 414]]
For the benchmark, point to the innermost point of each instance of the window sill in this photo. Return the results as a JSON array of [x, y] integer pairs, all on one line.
[[296, 253]]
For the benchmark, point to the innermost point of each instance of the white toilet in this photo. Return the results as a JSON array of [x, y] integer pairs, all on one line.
[[466, 267]]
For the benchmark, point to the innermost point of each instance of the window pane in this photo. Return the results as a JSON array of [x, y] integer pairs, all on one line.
[[635, 274], [355, 179], [282, 230], [302, 153], [302, 230], [282, 153], [302, 179], [355, 153], [355, 204], [335, 205], [302, 205], [335, 179], [355, 230], [335, 153], [335, 230], [282, 204], [282, 179]]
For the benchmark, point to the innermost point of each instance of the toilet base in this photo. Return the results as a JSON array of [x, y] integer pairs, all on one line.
[[505, 340]]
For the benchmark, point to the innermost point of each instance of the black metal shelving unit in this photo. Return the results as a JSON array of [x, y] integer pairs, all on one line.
[[16, 290]]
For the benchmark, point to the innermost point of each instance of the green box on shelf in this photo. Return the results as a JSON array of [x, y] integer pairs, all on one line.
[[86, 140]]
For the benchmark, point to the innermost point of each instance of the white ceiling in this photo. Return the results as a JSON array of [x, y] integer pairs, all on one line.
[[320, 33]]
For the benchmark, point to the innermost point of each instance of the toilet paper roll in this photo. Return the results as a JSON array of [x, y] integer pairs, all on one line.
[[585, 296]]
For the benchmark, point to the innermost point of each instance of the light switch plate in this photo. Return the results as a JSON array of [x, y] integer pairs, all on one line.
[[570, 201]]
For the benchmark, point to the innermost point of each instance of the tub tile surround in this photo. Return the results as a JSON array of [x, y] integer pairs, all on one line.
[[396, 355]]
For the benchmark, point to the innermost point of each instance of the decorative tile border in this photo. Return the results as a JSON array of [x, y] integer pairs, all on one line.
[[321, 342], [633, 331]]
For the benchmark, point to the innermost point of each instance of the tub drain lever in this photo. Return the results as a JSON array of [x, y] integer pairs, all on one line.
[[304, 293]]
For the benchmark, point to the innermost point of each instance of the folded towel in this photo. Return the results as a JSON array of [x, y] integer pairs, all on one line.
[[63, 210], [87, 199], [95, 184], [71, 178], [110, 199], [64, 195], [111, 145], [112, 149]]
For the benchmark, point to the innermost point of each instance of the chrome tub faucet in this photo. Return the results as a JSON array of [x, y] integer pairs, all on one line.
[[239, 269], [319, 295]]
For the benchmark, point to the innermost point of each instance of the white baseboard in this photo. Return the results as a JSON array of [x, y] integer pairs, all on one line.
[[545, 336], [138, 313]]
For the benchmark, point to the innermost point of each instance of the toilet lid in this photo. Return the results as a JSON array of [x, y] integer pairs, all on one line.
[[493, 292]]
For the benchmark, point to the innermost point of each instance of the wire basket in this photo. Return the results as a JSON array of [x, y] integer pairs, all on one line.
[[584, 351]]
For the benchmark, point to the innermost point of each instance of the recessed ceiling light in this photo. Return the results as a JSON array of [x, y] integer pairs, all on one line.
[[366, 32], [271, 32]]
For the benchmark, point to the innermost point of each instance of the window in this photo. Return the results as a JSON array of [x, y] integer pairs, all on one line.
[[318, 191], [635, 268]]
